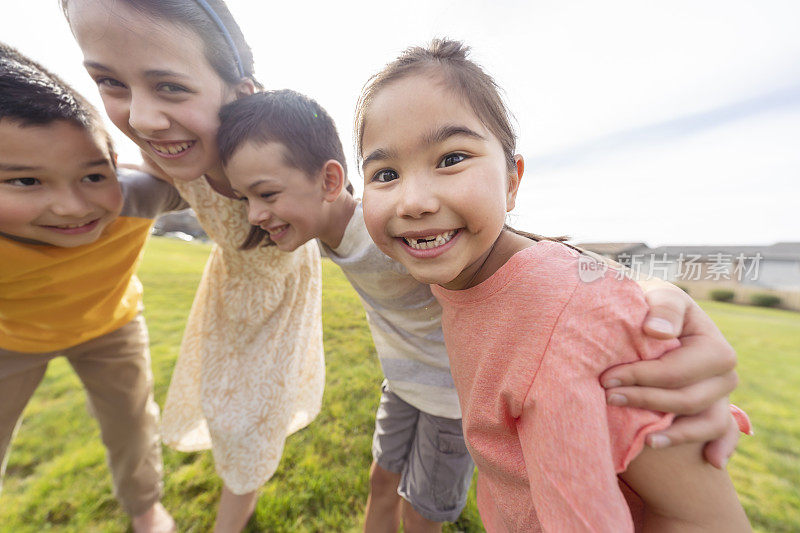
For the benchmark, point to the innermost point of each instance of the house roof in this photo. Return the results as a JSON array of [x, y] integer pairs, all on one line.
[[612, 248], [782, 251]]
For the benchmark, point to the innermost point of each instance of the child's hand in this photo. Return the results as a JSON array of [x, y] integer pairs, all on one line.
[[693, 380]]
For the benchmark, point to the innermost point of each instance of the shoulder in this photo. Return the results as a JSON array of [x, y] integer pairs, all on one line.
[[548, 270], [601, 324]]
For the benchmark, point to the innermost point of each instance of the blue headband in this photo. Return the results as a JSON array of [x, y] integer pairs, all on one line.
[[225, 33]]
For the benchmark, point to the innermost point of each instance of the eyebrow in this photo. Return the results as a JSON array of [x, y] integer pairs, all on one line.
[[97, 162], [152, 73], [27, 168], [17, 168], [451, 130], [434, 137], [256, 184], [377, 155]]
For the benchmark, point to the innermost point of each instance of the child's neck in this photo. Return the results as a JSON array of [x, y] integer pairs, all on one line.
[[505, 246], [341, 211]]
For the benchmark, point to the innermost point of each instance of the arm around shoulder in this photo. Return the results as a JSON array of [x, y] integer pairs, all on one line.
[[682, 492]]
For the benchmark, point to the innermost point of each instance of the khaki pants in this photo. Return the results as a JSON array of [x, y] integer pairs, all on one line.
[[115, 371]]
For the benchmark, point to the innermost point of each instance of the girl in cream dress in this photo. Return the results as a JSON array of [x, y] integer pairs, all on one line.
[[251, 368]]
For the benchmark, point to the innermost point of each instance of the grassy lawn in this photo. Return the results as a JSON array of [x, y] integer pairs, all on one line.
[[57, 479]]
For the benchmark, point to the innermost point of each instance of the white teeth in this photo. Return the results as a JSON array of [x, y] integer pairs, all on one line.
[[275, 231], [433, 241], [171, 148], [71, 226]]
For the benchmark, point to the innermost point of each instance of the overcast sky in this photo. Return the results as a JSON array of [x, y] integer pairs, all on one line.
[[664, 122]]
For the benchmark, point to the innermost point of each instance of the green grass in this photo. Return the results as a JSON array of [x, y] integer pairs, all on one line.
[[57, 479]]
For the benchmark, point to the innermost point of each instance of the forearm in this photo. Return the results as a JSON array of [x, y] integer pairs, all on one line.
[[682, 492]]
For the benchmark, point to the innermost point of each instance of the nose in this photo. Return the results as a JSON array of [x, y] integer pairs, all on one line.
[[257, 214], [71, 202], [145, 115], [416, 197]]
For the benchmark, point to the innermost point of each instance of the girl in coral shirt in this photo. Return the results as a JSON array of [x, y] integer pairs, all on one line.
[[527, 337]]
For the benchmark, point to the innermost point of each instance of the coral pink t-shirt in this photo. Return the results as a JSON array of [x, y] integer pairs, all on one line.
[[526, 348]]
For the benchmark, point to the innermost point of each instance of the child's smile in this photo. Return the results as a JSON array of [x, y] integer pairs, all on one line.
[[437, 186], [171, 150], [428, 244], [74, 229]]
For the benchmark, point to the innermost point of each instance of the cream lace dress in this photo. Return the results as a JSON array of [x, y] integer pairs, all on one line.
[[251, 368]]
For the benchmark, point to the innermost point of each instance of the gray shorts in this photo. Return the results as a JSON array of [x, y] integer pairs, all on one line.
[[429, 454]]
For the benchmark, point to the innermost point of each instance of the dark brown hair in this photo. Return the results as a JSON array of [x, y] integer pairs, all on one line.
[[189, 14], [448, 61], [30, 95], [300, 124]]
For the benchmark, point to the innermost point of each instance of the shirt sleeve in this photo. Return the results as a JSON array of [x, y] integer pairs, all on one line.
[[573, 443], [147, 196]]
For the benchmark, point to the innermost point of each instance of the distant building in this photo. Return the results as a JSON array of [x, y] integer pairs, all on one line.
[[612, 250], [776, 266]]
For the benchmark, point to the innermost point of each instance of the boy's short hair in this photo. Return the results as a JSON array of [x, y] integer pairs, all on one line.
[[286, 117], [30, 95]]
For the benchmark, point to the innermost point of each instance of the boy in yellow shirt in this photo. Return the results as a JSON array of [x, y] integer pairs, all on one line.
[[72, 229]]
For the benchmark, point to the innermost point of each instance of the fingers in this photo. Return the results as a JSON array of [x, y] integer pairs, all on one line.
[[715, 426], [688, 400], [697, 359], [668, 307], [708, 425], [718, 452]]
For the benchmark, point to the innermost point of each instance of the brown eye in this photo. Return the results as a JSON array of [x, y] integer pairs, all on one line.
[[94, 178], [109, 82], [23, 182], [172, 88], [451, 159], [384, 176]]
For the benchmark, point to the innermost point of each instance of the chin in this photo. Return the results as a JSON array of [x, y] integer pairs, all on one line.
[[183, 175], [430, 279], [72, 242], [287, 248]]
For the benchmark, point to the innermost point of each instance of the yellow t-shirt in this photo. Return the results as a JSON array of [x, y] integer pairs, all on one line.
[[53, 298]]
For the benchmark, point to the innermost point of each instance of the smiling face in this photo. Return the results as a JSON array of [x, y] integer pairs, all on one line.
[[436, 182], [57, 184], [156, 84], [281, 199]]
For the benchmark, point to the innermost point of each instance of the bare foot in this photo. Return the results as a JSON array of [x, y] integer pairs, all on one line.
[[154, 520]]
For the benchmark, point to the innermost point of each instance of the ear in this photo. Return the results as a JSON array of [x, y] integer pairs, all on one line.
[[514, 178], [246, 87], [333, 180]]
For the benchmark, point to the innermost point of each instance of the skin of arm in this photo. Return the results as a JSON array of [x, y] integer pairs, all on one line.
[[682, 492]]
